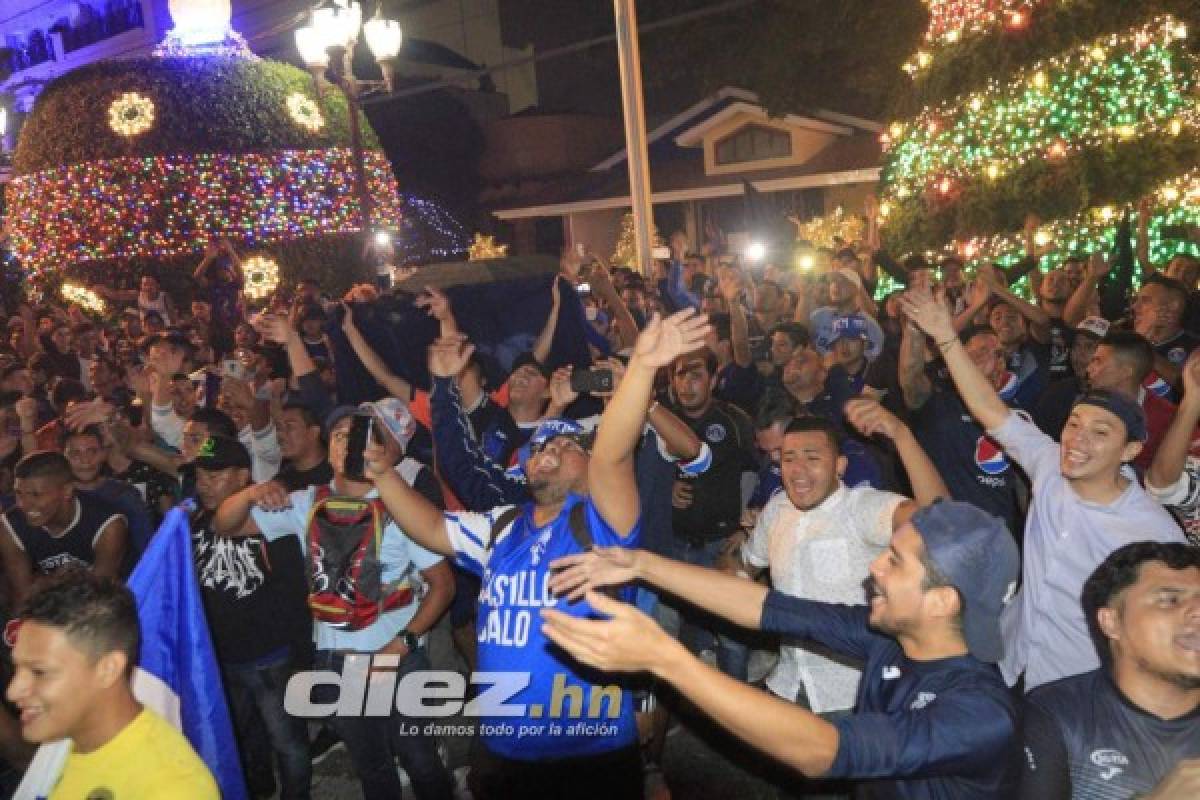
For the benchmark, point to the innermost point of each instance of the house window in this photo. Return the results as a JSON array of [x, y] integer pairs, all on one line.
[[753, 143]]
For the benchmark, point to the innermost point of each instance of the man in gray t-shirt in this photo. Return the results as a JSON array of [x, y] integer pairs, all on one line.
[[1085, 504]]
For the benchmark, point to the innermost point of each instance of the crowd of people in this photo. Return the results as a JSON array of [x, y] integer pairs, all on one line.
[[939, 544]]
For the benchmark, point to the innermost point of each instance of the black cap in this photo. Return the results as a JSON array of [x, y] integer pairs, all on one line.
[[527, 358], [221, 452]]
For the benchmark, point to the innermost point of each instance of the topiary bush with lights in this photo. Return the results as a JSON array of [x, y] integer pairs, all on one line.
[[133, 165]]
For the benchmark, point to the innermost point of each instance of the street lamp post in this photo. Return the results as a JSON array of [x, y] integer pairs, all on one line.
[[327, 46]]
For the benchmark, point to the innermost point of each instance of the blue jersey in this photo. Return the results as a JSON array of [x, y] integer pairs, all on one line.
[[563, 710], [944, 729]]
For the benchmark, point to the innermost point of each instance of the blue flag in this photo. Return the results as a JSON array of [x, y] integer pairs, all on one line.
[[176, 650]]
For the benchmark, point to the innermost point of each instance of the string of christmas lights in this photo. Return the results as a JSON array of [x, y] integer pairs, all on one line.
[[160, 206], [1126, 85], [951, 21], [1089, 231]]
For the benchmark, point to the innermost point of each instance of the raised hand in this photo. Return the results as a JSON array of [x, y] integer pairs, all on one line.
[[627, 641], [928, 314], [663, 340], [435, 303], [94, 412], [376, 458], [575, 575], [275, 328], [1098, 266], [272, 496], [729, 282], [449, 355], [870, 418], [1191, 376], [561, 393]]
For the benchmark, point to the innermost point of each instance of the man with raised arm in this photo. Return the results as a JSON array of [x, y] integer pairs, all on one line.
[[1086, 503], [579, 734], [933, 718]]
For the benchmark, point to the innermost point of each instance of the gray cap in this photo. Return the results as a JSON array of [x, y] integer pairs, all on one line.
[[977, 555]]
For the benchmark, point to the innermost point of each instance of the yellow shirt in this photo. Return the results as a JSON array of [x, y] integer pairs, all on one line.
[[148, 760]]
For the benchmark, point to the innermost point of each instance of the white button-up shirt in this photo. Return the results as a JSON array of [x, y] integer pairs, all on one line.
[[821, 554]]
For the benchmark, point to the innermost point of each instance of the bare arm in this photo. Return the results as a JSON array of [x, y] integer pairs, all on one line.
[[545, 339], [681, 441], [393, 383], [421, 520], [602, 285], [870, 418], [910, 368], [1039, 320], [439, 580], [626, 640], [976, 391], [110, 548], [17, 567], [1173, 450], [611, 482], [730, 282], [1081, 299]]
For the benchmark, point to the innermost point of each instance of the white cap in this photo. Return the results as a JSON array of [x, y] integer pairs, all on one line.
[[1096, 326]]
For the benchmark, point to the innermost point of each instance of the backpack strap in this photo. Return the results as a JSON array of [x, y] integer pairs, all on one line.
[[501, 523], [576, 520]]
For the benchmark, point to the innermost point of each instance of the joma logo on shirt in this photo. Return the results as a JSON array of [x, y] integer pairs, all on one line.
[[1111, 762], [923, 699]]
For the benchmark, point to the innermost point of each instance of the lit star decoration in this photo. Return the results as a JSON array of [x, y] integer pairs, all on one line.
[[131, 114], [1138, 83], [305, 112], [485, 247], [262, 276], [161, 206], [83, 297], [823, 231]]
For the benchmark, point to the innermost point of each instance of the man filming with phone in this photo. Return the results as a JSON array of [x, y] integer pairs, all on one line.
[[364, 588]]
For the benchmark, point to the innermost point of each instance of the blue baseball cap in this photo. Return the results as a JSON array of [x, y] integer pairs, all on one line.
[[548, 429], [1123, 407], [976, 554], [849, 326]]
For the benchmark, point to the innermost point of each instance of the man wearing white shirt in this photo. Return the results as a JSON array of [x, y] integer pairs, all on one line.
[[818, 537]]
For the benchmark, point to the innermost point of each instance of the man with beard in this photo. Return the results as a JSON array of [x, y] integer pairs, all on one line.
[[579, 498], [1130, 728], [1084, 505], [933, 718], [1158, 314]]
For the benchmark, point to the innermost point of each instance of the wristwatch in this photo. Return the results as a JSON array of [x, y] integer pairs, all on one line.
[[411, 640]]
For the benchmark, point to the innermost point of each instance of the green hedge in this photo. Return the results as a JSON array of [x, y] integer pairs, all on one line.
[[202, 105], [1054, 28]]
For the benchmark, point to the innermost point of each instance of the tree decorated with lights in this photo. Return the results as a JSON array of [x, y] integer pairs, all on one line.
[[1072, 110], [138, 164]]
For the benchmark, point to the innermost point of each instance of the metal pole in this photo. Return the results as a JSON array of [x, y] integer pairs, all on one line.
[[360, 171], [630, 60]]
